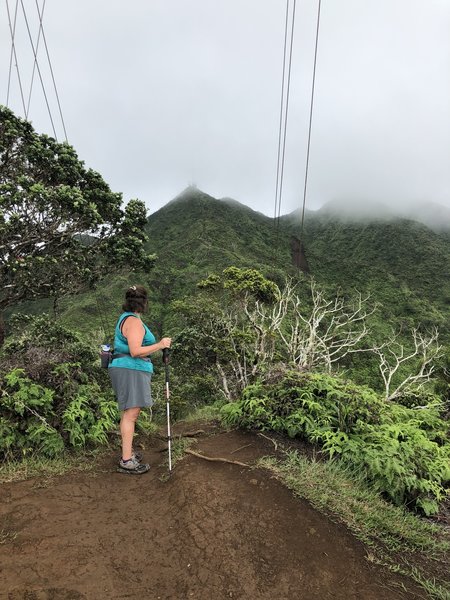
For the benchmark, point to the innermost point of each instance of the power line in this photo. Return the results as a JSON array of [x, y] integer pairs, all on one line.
[[280, 127], [10, 55], [38, 70], [37, 49], [51, 68], [311, 109], [13, 53], [286, 112]]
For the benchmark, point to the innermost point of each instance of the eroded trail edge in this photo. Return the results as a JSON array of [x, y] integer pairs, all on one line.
[[212, 530]]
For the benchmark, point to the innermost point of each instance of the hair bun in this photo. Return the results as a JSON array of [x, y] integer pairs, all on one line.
[[136, 291]]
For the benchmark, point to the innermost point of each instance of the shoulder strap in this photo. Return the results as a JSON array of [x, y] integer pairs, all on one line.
[[123, 321]]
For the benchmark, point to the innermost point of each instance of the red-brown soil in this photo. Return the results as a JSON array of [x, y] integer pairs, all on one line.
[[211, 531]]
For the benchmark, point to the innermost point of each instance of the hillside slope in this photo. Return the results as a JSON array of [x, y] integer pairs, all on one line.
[[196, 234], [403, 264]]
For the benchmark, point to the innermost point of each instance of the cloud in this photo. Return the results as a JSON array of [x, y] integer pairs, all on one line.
[[158, 95]]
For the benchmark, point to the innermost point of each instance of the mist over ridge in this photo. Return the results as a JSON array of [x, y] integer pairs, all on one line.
[[432, 214]]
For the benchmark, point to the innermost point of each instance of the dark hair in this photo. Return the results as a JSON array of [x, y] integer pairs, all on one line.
[[136, 299]]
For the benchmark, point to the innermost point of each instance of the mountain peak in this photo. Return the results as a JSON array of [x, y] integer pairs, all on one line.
[[191, 191]]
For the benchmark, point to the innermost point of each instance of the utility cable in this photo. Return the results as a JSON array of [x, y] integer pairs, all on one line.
[[280, 127], [286, 114], [13, 53], [38, 70], [51, 68], [37, 50], [310, 121]]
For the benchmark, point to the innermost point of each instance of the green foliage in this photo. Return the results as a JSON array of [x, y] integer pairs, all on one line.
[[89, 417], [243, 282], [53, 394], [403, 265], [50, 353], [36, 419], [61, 226], [403, 452], [25, 411]]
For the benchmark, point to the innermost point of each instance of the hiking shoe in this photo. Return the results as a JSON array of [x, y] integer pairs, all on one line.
[[136, 455], [132, 467]]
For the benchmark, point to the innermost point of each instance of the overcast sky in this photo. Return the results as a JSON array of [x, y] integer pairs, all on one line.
[[163, 93]]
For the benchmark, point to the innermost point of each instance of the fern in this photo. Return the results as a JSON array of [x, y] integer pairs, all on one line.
[[403, 453]]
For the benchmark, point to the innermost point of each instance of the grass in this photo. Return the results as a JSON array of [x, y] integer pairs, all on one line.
[[38, 466], [204, 413], [394, 537]]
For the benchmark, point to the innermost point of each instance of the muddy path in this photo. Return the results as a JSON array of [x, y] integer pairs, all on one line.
[[212, 531]]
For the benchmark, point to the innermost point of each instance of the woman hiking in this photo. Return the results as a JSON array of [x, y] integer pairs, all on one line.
[[131, 371]]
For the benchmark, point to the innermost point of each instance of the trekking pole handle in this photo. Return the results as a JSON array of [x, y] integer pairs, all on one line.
[[166, 355]]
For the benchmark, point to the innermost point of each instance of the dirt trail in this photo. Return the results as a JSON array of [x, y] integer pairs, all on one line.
[[212, 531]]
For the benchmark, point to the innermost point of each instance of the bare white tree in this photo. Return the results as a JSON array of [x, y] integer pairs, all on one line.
[[313, 337], [327, 332], [250, 342], [316, 336], [393, 355]]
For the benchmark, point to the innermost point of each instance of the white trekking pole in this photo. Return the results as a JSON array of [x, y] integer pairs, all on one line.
[[169, 438]]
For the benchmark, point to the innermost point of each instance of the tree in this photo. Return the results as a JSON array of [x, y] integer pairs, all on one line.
[[244, 328], [420, 359], [222, 331], [61, 227], [321, 336]]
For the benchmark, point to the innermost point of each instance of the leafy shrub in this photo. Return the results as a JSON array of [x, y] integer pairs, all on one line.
[[403, 452], [305, 404], [53, 394], [34, 418], [39, 346], [186, 394], [416, 398]]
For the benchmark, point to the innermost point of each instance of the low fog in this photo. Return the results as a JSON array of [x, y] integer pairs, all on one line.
[[157, 96]]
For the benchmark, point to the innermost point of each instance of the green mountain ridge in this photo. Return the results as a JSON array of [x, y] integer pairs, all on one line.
[[403, 265], [196, 234]]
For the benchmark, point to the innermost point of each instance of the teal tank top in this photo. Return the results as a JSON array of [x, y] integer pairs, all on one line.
[[121, 347]]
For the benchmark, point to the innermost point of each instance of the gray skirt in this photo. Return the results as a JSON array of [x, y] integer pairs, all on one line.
[[132, 387]]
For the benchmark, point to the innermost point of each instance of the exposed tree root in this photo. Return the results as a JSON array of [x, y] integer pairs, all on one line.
[[241, 448], [270, 439], [179, 436], [211, 459]]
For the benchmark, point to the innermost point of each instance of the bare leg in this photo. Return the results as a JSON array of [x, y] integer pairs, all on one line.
[[127, 423]]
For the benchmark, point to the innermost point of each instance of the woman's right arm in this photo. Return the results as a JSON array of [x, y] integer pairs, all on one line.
[[134, 331]]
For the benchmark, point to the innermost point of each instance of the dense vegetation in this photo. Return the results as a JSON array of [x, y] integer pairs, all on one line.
[[403, 452]]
